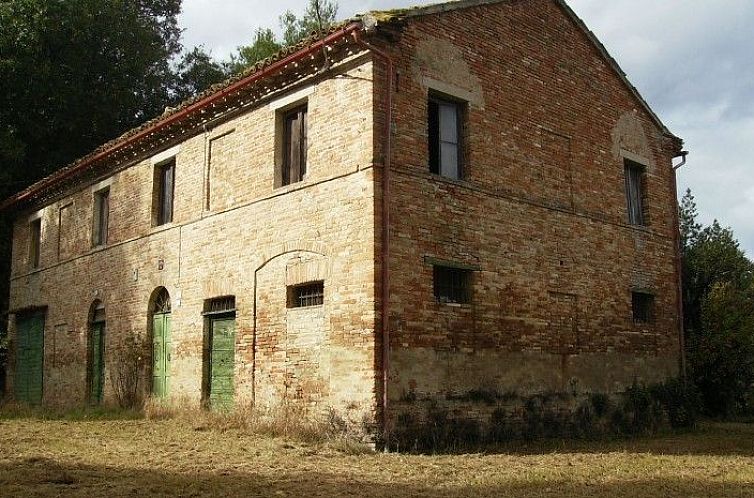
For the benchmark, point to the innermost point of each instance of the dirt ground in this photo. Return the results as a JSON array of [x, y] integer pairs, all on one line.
[[177, 458]]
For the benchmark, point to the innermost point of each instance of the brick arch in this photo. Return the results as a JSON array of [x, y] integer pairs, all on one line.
[[299, 245], [294, 246]]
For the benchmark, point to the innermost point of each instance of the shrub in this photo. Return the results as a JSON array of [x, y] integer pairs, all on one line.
[[128, 358], [680, 400]]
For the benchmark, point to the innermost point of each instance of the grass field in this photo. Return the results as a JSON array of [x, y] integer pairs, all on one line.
[[180, 458]]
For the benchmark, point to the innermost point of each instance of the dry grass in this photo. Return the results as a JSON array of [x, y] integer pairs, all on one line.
[[184, 457], [289, 421]]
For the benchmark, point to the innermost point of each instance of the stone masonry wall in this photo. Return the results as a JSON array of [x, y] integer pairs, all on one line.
[[233, 234], [541, 211]]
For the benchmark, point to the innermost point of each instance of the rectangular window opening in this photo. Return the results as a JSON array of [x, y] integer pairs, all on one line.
[[635, 193], [101, 217], [35, 242], [642, 304], [445, 129], [164, 193], [294, 145], [305, 295], [452, 285]]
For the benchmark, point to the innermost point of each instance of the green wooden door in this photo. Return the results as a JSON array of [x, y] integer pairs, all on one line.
[[96, 362], [30, 358], [222, 362], [161, 355]]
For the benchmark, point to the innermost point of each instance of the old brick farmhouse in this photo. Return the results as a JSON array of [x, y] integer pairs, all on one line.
[[416, 204]]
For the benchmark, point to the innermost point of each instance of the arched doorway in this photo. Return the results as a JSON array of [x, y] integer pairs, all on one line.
[[160, 310], [96, 353]]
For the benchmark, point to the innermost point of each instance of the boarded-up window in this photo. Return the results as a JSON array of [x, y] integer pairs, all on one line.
[[642, 304], [223, 187], [294, 145], [445, 124], [452, 285], [101, 217], [164, 192], [562, 314], [556, 169], [309, 294], [35, 242], [635, 193]]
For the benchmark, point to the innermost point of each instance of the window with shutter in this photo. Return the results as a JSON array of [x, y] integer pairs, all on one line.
[[445, 125], [164, 193], [35, 242], [294, 145], [635, 194], [101, 217]]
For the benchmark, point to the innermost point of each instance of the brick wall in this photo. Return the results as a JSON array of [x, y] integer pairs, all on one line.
[[541, 212], [233, 234], [540, 215]]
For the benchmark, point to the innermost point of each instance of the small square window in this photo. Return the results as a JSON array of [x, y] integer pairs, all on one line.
[[101, 217], [642, 304], [35, 242], [305, 295], [445, 129], [635, 193], [452, 285]]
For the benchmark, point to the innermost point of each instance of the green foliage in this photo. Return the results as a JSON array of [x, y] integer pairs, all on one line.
[[76, 74], [264, 45], [317, 18], [196, 72], [718, 295]]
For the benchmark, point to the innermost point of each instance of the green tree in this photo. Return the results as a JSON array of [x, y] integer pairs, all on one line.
[[74, 74], [718, 291], [318, 17], [196, 72], [264, 45]]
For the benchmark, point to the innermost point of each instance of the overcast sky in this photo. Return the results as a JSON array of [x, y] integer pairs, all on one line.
[[692, 60]]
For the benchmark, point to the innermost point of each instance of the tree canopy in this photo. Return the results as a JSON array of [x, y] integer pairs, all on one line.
[[76, 74], [718, 291]]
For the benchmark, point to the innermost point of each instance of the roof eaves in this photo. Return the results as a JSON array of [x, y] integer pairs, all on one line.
[[173, 115]]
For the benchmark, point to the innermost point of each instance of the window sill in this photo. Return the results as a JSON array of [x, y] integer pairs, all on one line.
[[162, 228], [641, 228], [306, 308], [454, 305], [461, 182]]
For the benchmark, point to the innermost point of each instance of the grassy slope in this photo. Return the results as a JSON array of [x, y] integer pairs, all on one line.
[[140, 458]]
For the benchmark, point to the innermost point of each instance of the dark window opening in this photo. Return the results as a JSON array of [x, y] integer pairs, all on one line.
[[220, 305], [452, 285], [294, 145], [101, 217], [305, 295], [643, 307], [35, 242], [445, 125], [164, 193], [635, 193]]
